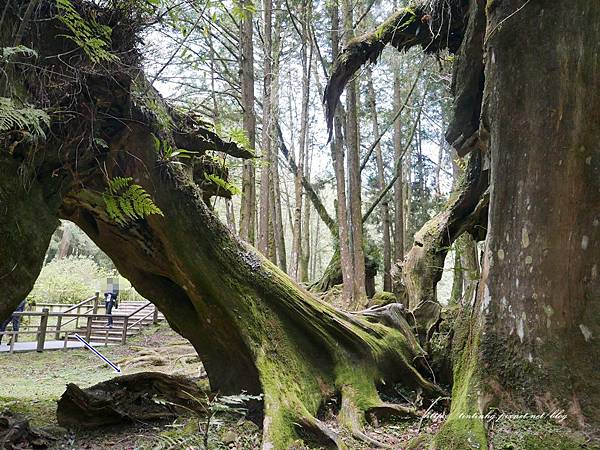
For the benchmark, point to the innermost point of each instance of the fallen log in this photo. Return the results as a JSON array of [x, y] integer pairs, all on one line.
[[137, 397]]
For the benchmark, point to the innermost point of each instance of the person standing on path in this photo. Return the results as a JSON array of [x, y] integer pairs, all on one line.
[[110, 299], [15, 319]]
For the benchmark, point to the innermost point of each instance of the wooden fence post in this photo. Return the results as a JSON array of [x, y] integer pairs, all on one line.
[[155, 315], [58, 324], [88, 331], [124, 336], [95, 310], [41, 337]]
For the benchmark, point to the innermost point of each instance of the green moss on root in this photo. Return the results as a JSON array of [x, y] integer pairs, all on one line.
[[464, 428]]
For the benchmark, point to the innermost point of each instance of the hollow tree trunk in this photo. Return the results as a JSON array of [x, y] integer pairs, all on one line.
[[533, 338]]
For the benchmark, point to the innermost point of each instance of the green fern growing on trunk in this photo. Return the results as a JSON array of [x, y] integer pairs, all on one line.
[[126, 202]]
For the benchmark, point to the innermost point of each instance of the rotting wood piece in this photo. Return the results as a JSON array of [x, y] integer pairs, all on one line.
[[140, 396]]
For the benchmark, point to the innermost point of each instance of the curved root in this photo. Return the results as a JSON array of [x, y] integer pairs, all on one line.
[[320, 432]]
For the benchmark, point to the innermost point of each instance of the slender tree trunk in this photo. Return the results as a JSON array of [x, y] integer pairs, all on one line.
[[354, 178], [297, 229], [278, 221], [315, 250], [440, 158], [278, 230], [399, 187], [230, 215], [266, 137], [306, 63], [65, 242], [305, 254], [387, 250], [248, 202], [337, 148]]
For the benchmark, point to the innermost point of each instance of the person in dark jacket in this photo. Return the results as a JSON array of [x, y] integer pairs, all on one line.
[[15, 319], [110, 300]]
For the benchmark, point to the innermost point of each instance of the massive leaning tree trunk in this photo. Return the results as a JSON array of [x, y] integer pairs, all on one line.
[[527, 87], [530, 335], [253, 327]]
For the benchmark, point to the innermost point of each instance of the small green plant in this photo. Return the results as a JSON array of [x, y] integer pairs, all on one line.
[[100, 143], [240, 137], [169, 153], [226, 185], [242, 10], [207, 409], [125, 201], [14, 118], [9, 52], [93, 37]]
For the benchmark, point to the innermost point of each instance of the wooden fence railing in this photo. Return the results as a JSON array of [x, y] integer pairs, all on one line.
[[63, 324]]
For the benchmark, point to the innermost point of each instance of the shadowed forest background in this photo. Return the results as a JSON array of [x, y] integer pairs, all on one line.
[[367, 224]]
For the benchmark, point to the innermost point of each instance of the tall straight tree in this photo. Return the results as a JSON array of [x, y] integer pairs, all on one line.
[[354, 178], [306, 61], [385, 211], [305, 254], [277, 219], [337, 153], [266, 136], [248, 203], [399, 187]]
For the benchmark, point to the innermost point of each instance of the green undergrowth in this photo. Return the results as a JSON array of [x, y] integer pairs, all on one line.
[[538, 435]]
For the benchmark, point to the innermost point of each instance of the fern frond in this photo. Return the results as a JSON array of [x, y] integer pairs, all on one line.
[[8, 52], [125, 202], [117, 184], [14, 118], [93, 38], [231, 188]]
